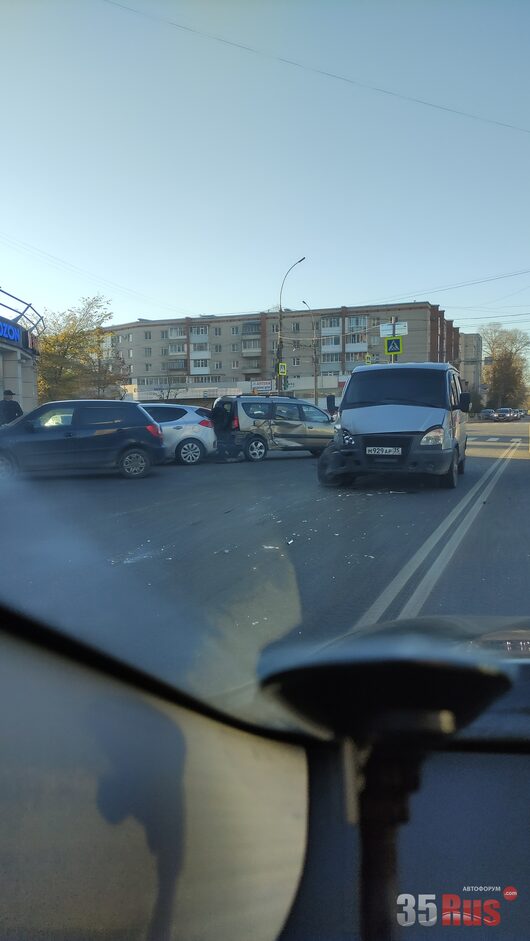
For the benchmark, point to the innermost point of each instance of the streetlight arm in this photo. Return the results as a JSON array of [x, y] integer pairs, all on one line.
[[285, 275]]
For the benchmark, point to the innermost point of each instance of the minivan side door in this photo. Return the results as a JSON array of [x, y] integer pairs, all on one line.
[[47, 439], [287, 427], [318, 427]]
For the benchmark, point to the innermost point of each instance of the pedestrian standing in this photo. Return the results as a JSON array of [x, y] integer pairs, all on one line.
[[9, 408]]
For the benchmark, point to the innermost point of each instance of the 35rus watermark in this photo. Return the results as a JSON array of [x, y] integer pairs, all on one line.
[[453, 909]]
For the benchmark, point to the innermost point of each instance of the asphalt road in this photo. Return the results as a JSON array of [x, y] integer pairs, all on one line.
[[194, 571]]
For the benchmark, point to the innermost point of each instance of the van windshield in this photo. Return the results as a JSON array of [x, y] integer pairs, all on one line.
[[426, 387]]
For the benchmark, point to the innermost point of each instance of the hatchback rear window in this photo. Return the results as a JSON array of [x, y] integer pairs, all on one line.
[[394, 386], [162, 414]]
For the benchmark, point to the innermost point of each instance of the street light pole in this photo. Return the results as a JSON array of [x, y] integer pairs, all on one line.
[[279, 353], [315, 357]]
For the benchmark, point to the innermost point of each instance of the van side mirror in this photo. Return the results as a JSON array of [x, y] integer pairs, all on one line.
[[465, 401]]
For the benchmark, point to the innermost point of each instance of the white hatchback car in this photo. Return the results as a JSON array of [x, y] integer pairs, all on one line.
[[189, 435]]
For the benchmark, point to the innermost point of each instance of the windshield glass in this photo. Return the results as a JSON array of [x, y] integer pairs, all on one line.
[[427, 387], [222, 211]]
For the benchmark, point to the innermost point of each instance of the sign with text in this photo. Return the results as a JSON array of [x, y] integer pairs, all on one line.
[[400, 329], [261, 385]]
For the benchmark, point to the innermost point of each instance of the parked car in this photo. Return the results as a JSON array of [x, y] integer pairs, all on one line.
[[488, 414], [408, 418], [256, 424], [84, 433], [189, 435]]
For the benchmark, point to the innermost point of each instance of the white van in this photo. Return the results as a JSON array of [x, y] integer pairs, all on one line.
[[408, 418]]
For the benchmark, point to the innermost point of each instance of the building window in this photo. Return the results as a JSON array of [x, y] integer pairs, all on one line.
[[356, 338], [176, 364], [296, 344], [148, 351], [130, 354], [235, 331], [199, 331], [331, 357], [374, 341], [249, 328], [147, 367], [296, 326], [164, 334], [330, 322], [235, 347], [120, 339], [331, 341], [217, 348], [147, 334], [217, 331], [199, 347], [176, 332], [357, 322], [295, 361], [177, 348], [201, 363], [217, 365], [273, 346], [275, 328], [164, 351], [235, 364], [129, 337]]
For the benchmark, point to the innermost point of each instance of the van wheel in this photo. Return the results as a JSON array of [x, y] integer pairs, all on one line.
[[134, 463], [331, 480], [255, 450], [450, 480], [189, 452]]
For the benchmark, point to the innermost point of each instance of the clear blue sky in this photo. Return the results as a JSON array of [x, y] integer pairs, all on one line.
[[191, 173]]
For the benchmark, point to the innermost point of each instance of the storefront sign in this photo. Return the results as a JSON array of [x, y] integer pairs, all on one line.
[[10, 332]]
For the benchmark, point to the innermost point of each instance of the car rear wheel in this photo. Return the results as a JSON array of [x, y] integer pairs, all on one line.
[[134, 463], [255, 450], [450, 480], [190, 451], [7, 467]]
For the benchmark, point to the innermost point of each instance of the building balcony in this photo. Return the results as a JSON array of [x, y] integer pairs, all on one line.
[[328, 347], [356, 347], [249, 367], [200, 354], [250, 351], [331, 331], [199, 370]]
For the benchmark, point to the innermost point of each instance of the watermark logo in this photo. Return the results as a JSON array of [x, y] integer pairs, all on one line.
[[453, 909]]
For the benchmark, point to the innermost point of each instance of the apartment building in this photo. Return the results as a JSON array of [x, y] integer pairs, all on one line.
[[190, 356]]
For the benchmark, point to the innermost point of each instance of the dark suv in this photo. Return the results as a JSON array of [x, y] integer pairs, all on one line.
[[83, 433]]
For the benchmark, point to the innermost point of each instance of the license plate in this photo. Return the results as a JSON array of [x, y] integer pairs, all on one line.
[[383, 451]]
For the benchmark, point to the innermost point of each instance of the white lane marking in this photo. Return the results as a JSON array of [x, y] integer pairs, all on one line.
[[472, 439], [418, 598], [492, 439], [378, 608], [516, 439]]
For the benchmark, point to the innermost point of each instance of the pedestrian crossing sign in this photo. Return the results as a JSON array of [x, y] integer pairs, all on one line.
[[282, 369], [393, 346]]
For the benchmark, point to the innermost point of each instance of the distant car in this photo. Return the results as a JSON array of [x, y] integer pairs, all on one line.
[[189, 435], [505, 414], [488, 414], [82, 434]]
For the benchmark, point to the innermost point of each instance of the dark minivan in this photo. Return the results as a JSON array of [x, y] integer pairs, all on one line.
[[82, 434]]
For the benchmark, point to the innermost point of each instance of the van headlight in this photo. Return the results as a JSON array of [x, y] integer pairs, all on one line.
[[434, 437]]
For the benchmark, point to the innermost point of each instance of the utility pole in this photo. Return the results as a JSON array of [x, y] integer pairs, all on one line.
[[315, 356], [393, 321], [279, 348]]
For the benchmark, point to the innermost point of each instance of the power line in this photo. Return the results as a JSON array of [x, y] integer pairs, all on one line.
[[75, 269], [448, 287], [316, 71]]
